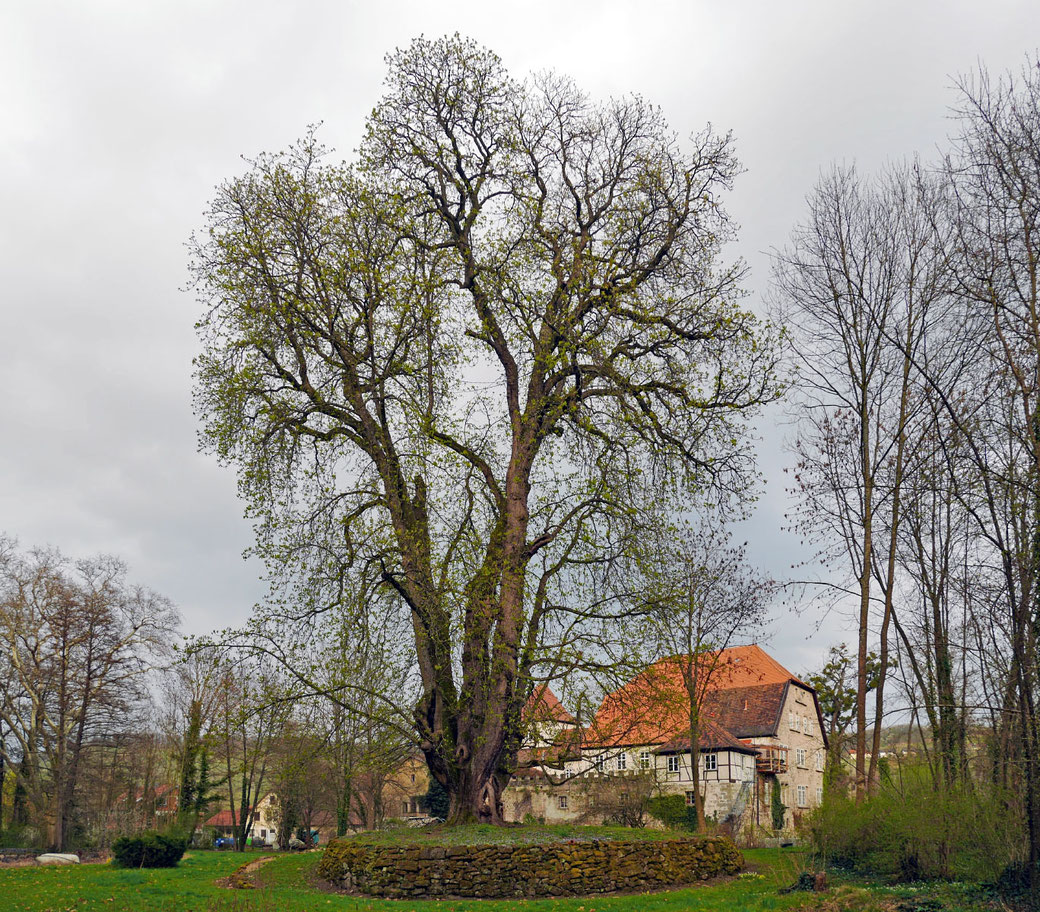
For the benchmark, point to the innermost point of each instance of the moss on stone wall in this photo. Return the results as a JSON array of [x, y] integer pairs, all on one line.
[[557, 869]]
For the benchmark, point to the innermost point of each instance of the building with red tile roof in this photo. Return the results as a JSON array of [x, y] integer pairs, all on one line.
[[760, 727]]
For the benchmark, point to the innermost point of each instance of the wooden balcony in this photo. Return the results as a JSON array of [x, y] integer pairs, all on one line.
[[771, 760]]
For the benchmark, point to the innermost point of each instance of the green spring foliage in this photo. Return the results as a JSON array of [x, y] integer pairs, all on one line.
[[915, 831]]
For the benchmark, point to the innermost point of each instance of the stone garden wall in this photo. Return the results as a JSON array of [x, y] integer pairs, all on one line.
[[14, 856], [554, 869]]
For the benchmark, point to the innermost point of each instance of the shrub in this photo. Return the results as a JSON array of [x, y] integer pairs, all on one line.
[[148, 850], [915, 831], [19, 837], [204, 838], [673, 812], [1013, 882], [435, 802]]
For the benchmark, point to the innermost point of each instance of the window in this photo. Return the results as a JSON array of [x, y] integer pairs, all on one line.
[[819, 795], [601, 763], [689, 799], [806, 725], [800, 756], [622, 761], [711, 761], [819, 761], [561, 802], [644, 760], [673, 763], [803, 796], [792, 720]]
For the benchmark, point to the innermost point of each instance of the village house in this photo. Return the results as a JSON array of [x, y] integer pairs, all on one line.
[[397, 796], [760, 728], [403, 792], [264, 830]]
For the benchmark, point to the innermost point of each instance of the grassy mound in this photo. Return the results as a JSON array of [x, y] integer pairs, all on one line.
[[485, 834]]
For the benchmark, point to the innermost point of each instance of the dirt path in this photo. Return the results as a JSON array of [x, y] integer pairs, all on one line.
[[244, 877]]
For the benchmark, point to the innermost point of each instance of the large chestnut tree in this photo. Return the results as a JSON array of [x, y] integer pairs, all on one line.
[[463, 364]]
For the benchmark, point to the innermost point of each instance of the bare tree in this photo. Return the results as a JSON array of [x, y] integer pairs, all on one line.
[[252, 711], [858, 284], [993, 179], [940, 595], [478, 348], [961, 509], [192, 692], [701, 598], [79, 639]]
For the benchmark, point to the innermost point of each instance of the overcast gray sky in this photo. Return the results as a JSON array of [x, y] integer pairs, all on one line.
[[117, 119]]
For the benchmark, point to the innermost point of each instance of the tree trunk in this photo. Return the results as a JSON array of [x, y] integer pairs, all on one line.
[[695, 774], [343, 803], [889, 581], [3, 776], [693, 706], [475, 800], [864, 607]]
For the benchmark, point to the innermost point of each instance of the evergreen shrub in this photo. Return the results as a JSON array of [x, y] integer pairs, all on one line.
[[673, 812], [148, 850], [436, 801]]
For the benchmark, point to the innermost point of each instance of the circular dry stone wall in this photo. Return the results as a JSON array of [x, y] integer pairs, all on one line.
[[553, 869]]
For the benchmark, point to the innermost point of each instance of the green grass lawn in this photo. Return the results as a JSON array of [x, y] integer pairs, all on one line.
[[285, 885]]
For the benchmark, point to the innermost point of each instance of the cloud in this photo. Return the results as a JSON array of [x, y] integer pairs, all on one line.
[[119, 119]]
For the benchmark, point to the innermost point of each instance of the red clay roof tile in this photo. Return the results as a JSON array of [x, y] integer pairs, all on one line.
[[744, 695]]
